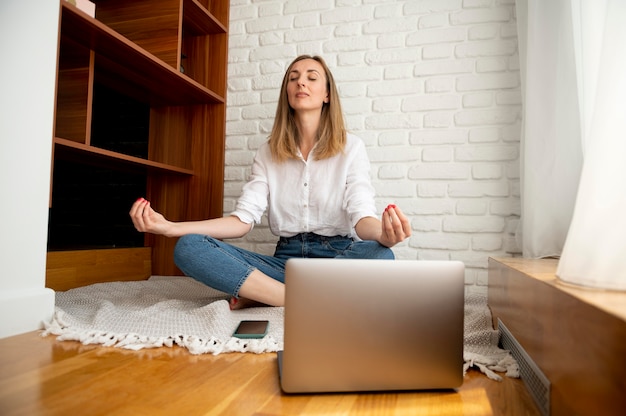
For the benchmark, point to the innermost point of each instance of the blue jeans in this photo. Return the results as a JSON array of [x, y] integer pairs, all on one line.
[[226, 267]]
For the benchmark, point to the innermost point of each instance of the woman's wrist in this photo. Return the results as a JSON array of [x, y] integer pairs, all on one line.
[[172, 230]]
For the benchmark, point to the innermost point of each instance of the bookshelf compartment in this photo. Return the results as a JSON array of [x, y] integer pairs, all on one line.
[[90, 206], [153, 25], [204, 45], [74, 86], [171, 130], [119, 123], [216, 8]]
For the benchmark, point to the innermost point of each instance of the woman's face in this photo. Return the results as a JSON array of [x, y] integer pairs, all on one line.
[[306, 86]]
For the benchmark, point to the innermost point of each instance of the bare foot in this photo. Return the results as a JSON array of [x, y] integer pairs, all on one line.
[[242, 303]]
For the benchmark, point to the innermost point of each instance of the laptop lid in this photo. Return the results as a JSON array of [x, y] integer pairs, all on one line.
[[372, 325]]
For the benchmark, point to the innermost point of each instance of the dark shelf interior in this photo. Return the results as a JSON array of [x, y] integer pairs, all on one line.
[[90, 206], [120, 123]]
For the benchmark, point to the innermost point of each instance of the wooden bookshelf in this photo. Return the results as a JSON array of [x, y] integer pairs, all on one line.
[[140, 112]]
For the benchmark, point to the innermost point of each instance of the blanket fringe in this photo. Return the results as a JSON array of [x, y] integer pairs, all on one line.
[[131, 341], [489, 365]]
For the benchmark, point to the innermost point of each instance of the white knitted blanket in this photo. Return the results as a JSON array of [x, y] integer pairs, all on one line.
[[160, 311], [480, 341], [173, 310]]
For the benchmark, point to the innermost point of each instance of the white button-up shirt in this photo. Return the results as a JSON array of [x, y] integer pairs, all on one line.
[[327, 197]]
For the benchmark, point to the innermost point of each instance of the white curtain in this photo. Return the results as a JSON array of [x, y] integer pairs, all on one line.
[[551, 140], [595, 249], [573, 55]]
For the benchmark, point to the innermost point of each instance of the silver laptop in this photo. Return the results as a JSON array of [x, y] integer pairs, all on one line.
[[372, 325]]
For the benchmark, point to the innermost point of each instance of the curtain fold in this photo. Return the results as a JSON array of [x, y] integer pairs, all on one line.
[[551, 134], [595, 250]]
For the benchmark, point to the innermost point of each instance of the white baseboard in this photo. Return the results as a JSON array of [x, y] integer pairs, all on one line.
[[25, 310]]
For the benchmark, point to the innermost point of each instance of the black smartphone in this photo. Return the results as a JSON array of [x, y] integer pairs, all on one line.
[[251, 329]]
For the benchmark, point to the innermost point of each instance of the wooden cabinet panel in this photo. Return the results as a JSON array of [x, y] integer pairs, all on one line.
[[69, 269]]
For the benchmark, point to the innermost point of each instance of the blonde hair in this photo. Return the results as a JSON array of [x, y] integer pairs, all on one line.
[[284, 139]]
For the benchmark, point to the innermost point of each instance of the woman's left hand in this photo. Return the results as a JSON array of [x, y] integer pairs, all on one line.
[[395, 226]]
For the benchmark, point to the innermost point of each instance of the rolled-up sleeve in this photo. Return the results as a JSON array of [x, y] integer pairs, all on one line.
[[254, 196], [359, 194]]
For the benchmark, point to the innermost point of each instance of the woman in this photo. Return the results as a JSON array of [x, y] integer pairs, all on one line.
[[312, 177]]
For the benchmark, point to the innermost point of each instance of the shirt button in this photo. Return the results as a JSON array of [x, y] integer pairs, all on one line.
[[306, 184]]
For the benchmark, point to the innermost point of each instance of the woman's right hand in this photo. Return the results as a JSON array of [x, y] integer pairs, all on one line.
[[148, 220]]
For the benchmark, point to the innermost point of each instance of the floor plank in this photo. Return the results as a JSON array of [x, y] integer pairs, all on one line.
[[42, 376]]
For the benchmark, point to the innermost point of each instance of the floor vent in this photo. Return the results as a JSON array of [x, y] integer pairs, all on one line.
[[537, 383]]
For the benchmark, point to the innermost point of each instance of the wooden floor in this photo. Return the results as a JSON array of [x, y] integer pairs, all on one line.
[[42, 376]]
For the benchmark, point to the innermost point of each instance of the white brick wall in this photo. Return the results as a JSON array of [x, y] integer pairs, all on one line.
[[433, 89]]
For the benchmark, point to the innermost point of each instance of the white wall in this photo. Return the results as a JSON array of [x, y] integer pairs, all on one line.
[[28, 45], [431, 86]]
